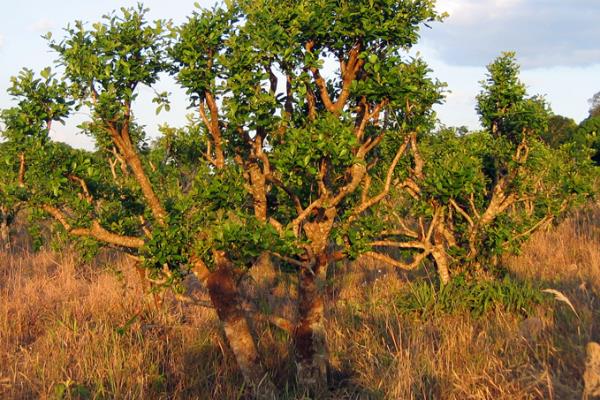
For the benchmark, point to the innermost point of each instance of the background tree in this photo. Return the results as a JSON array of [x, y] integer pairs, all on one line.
[[470, 197], [560, 130], [9, 198], [40, 102], [594, 105]]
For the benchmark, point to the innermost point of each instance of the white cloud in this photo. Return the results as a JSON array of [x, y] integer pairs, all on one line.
[[1, 40], [42, 25], [544, 33]]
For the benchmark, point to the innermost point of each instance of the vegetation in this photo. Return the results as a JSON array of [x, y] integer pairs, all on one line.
[[59, 322], [288, 164]]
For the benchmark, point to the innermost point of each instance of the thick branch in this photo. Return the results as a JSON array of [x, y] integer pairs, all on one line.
[[400, 245], [401, 232], [419, 163], [388, 182], [126, 148], [22, 170], [351, 69], [304, 214], [215, 130], [291, 261], [96, 231], [349, 72], [398, 264]]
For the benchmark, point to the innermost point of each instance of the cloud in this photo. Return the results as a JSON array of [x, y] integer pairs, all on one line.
[[544, 33], [42, 25], [1, 41]]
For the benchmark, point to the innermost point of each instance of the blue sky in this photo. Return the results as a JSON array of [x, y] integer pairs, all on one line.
[[555, 40]]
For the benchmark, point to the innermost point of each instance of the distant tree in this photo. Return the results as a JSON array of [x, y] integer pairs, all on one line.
[[588, 137], [470, 197], [560, 130], [9, 203], [594, 105], [41, 101]]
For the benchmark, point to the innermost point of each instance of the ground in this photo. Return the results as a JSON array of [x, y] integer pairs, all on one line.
[[74, 330]]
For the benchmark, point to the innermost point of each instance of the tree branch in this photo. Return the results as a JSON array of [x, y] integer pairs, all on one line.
[[398, 264], [96, 231], [462, 212], [215, 130], [388, 182], [22, 170], [400, 245]]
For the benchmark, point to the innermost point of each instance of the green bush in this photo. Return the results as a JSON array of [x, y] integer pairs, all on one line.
[[461, 295]]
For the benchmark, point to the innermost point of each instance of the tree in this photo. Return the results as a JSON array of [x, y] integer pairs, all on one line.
[[560, 130], [283, 166], [303, 149], [283, 158], [9, 204], [588, 138], [470, 197], [41, 101], [594, 105]]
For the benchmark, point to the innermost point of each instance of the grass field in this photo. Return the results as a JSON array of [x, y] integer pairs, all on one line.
[[73, 330]]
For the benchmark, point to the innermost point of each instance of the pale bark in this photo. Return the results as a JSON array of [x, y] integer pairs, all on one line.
[[225, 298], [134, 162], [258, 191], [441, 262], [95, 230], [22, 170], [310, 339], [4, 233]]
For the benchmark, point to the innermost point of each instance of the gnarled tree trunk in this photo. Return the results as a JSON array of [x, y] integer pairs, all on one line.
[[309, 337], [5, 241], [441, 262], [224, 296]]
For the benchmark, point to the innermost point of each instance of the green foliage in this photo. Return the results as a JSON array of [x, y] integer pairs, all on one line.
[[39, 102], [561, 130], [455, 165], [587, 136], [107, 63], [503, 106], [71, 390], [594, 105], [196, 54], [467, 296], [240, 175]]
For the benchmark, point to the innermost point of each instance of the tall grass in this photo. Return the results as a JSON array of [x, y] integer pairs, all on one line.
[[71, 330]]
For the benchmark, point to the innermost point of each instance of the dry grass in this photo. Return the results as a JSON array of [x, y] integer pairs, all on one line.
[[65, 325], [91, 329]]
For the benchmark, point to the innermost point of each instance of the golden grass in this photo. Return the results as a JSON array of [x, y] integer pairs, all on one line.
[[64, 325], [91, 329]]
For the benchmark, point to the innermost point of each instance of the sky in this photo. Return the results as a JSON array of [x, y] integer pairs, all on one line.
[[555, 42]]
